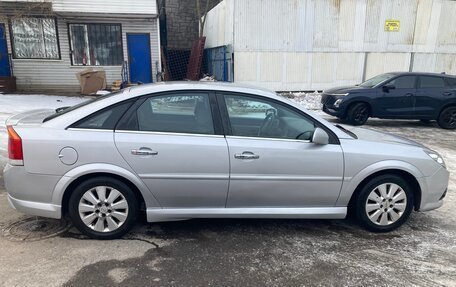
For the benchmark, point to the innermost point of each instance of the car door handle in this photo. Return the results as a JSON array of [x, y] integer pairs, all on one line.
[[246, 155], [143, 151], [409, 95], [447, 94]]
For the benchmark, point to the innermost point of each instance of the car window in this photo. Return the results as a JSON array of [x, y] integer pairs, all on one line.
[[404, 82], [376, 80], [178, 113], [105, 119], [252, 117], [431, 82], [451, 82]]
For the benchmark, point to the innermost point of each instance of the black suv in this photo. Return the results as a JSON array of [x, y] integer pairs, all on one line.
[[406, 95]]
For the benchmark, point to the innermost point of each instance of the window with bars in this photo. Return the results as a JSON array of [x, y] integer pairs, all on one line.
[[34, 38], [96, 44]]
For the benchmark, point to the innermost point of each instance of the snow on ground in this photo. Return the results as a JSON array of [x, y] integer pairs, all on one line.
[[309, 100], [15, 104]]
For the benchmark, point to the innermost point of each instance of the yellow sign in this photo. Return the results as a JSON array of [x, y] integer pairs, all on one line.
[[392, 25]]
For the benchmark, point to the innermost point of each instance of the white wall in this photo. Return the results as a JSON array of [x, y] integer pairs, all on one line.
[[317, 44], [59, 75]]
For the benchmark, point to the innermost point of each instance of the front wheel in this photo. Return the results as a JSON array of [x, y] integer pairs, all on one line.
[[384, 203], [358, 114], [103, 208], [447, 118]]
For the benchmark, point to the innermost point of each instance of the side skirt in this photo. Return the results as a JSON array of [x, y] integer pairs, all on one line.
[[168, 214]]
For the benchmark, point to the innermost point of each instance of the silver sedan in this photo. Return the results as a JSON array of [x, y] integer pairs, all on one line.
[[207, 150]]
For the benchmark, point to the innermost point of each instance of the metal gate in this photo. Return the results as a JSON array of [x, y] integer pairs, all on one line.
[[219, 63]]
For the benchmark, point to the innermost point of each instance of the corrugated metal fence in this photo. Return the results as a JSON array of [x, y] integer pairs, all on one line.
[[219, 63]]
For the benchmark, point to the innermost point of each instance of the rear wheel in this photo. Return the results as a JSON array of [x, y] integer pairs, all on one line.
[[384, 203], [358, 114], [103, 208], [447, 118]]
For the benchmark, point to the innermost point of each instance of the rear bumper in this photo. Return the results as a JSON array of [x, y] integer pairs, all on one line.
[[437, 186], [35, 208], [31, 193]]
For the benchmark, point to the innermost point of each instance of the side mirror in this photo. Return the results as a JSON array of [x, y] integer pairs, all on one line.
[[388, 87], [320, 137]]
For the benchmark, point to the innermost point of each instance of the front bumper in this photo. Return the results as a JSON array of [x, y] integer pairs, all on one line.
[[332, 111], [437, 186]]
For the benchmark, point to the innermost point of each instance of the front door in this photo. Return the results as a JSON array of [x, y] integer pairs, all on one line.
[[171, 143], [139, 58], [4, 60], [273, 163], [397, 102]]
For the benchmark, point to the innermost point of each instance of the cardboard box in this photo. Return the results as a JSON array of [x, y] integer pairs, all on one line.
[[91, 81]]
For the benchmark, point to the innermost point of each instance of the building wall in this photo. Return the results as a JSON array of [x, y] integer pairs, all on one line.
[[60, 75], [317, 44], [182, 23]]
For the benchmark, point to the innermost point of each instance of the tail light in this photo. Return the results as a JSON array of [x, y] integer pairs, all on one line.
[[14, 147]]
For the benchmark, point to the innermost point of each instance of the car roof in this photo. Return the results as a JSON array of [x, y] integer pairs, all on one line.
[[198, 85], [422, 74]]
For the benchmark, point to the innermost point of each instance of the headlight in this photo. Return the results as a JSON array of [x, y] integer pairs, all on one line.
[[435, 156], [337, 102]]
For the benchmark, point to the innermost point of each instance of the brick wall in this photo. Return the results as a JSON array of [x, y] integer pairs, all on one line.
[[182, 23]]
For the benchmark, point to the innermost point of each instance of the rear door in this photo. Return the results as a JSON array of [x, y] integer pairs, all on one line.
[[273, 162], [397, 102], [172, 143], [433, 91]]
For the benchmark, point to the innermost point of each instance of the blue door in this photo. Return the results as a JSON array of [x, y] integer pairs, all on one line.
[[139, 58], [4, 61]]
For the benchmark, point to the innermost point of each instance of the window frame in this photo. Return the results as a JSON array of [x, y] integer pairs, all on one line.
[[11, 36], [70, 43], [333, 139], [122, 124], [432, 76]]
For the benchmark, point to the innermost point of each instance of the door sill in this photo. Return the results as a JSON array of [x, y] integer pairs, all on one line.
[[173, 214]]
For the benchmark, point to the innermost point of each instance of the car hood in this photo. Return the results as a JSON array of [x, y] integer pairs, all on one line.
[[345, 89], [33, 117], [376, 136]]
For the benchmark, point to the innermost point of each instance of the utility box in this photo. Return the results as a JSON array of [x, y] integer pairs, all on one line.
[[91, 81]]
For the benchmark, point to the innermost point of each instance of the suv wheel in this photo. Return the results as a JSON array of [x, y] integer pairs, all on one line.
[[358, 114], [384, 203], [103, 208], [447, 118]]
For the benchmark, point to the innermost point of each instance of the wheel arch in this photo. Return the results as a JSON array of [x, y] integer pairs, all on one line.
[[354, 102], [69, 181], [406, 175]]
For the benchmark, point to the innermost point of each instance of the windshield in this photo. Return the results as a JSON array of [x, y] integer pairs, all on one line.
[[62, 111], [376, 80]]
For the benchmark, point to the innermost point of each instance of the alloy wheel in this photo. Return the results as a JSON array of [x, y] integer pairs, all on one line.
[[103, 209], [386, 203]]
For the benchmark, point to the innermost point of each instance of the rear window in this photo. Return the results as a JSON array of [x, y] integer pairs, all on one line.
[[106, 119], [431, 82], [60, 112]]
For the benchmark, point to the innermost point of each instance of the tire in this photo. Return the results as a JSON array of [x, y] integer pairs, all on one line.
[[358, 114], [375, 206], [110, 218], [447, 118]]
